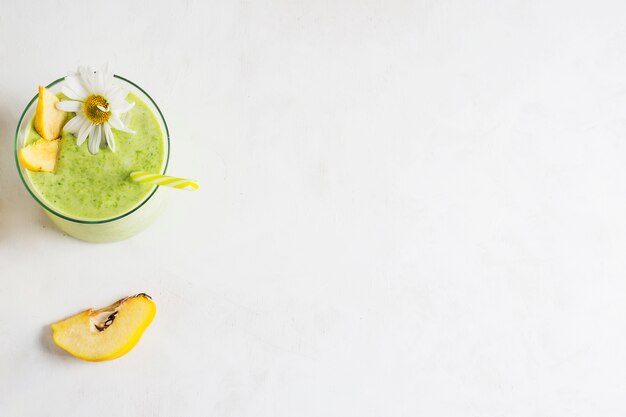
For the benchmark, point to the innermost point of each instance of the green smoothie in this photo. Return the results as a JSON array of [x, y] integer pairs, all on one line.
[[97, 187]]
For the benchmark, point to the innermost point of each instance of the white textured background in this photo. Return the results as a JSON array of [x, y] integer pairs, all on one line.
[[407, 209]]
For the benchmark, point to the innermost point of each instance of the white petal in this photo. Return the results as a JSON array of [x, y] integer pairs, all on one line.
[[121, 106], [80, 75], [94, 139], [68, 105], [86, 78], [85, 130], [126, 118], [73, 88], [115, 94], [70, 93], [85, 125], [108, 75], [74, 124], [96, 83], [108, 136], [102, 79], [100, 85], [116, 123]]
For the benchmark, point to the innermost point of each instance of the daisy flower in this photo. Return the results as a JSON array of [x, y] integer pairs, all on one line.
[[98, 104]]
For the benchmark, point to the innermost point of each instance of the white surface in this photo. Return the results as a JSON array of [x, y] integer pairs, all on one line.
[[407, 209]]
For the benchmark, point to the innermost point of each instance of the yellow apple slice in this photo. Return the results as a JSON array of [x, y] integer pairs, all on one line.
[[48, 119], [40, 155], [107, 333]]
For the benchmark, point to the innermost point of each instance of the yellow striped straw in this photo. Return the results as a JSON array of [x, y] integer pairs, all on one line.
[[164, 180]]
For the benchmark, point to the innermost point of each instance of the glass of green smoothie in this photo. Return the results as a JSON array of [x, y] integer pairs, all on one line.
[[90, 196]]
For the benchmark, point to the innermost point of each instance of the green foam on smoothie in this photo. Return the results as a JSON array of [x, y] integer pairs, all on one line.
[[97, 187]]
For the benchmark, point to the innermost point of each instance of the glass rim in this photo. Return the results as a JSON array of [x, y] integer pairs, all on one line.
[[81, 221]]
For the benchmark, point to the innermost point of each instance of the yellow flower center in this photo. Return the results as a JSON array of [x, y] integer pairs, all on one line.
[[92, 112]]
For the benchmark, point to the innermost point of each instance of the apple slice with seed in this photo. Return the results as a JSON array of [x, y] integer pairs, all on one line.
[[107, 333]]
